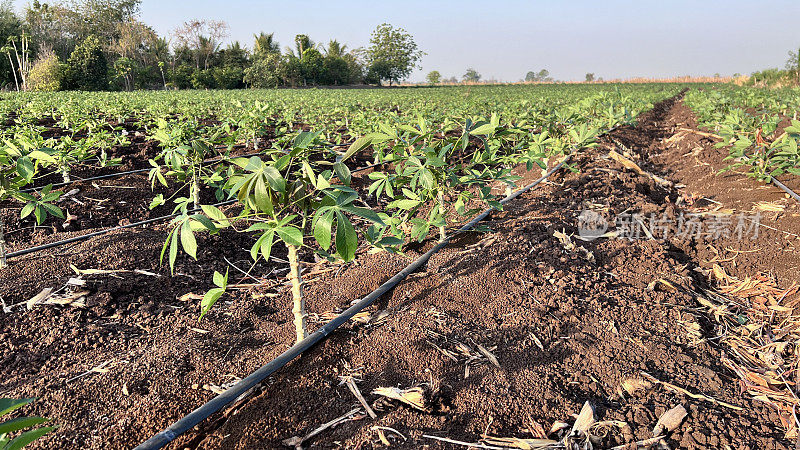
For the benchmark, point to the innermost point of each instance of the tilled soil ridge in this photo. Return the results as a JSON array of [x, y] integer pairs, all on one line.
[[568, 321]]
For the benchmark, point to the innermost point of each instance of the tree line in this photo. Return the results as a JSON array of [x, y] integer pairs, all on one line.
[[102, 45]]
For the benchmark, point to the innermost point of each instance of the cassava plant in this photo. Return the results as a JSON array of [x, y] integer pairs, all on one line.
[[288, 199], [18, 170]]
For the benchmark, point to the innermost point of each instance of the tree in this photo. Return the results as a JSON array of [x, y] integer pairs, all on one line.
[[392, 53], [87, 67], [19, 53], [264, 72], [102, 17], [202, 38], [543, 76], [265, 44], [471, 75], [312, 66], [301, 43], [335, 70], [134, 45], [589, 77], [793, 64], [10, 25], [45, 74], [335, 49], [434, 77]]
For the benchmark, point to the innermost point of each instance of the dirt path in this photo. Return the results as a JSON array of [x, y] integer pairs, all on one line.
[[568, 321]]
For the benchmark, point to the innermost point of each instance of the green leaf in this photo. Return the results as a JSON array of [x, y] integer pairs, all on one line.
[[209, 299], [323, 223], [25, 168], [220, 280], [40, 213], [262, 197], [359, 144], [158, 200], [40, 155], [276, 181], [404, 204], [26, 438], [10, 404], [27, 210], [485, 129], [20, 423], [365, 213], [53, 210], [216, 215], [188, 240], [346, 238], [290, 235], [342, 172], [173, 250], [264, 245]]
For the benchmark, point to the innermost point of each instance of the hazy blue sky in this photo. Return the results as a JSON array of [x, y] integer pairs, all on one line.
[[505, 39]]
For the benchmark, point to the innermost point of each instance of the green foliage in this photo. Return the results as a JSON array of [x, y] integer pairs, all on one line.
[[10, 25], [213, 294], [264, 72], [45, 74], [747, 120], [434, 77], [471, 75], [14, 426], [543, 76], [41, 207], [392, 53], [87, 67]]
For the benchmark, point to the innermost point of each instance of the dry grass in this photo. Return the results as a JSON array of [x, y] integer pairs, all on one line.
[[760, 328]]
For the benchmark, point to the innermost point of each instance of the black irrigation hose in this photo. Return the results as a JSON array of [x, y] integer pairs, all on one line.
[[242, 387], [131, 225], [785, 188]]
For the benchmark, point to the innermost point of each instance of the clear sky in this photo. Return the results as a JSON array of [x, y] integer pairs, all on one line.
[[503, 39]]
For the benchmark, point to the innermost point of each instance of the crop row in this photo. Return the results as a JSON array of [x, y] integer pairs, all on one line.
[[760, 126], [442, 162]]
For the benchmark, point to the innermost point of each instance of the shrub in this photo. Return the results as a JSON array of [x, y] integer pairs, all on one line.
[[45, 75], [264, 71], [87, 67]]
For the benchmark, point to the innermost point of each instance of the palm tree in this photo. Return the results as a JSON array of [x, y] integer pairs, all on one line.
[[335, 49], [301, 43], [265, 44]]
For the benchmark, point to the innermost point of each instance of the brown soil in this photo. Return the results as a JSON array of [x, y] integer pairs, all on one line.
[[565, 328]]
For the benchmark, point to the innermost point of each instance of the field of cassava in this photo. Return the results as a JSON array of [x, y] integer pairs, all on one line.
[[557, 266]]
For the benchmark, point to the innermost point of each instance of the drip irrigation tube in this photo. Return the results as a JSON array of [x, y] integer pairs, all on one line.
[[242, 387], [785, 188], [131, 225]]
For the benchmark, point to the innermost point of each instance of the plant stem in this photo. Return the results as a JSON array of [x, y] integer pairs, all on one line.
[[196, 192], [442, 211], [299, 303], [3, 263], [65, 174]]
